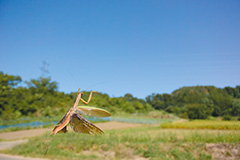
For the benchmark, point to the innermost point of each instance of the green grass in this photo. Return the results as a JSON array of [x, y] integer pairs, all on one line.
[[152, 114], [153, 117], [146, 142], [204, 124], [140, 120]]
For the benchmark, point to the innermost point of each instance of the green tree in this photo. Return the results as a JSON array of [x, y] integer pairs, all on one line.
[[42, 85], [8, 84], [198, 111], [129, 97], [236, 107]]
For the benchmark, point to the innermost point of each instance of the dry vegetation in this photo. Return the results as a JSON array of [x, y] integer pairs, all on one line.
[[137, 143], [204, 124]]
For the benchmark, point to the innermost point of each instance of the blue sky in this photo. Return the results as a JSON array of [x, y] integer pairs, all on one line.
[[138, 46]]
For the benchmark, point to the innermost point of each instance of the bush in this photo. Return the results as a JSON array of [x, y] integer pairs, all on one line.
[[183, 115], [198, 111], [227, 117]]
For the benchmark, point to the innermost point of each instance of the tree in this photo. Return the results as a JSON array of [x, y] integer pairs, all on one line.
[[236, 107], [128, 97], [198, 111], [8, 81], [42, 85], [234, 92], [7, 89]]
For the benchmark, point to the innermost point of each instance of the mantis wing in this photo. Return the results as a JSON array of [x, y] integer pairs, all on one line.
[[93, 111], [81, 125], [61, 127]]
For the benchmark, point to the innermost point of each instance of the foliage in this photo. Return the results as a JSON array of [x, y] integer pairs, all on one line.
[[236, 107], [227, 117], [199, 102], [234, 92], [41, 98], [198, 111]]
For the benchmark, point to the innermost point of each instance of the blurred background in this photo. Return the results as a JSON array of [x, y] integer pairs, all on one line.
[[152, 62]]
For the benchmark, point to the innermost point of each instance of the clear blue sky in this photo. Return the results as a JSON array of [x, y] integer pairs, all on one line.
[[132, 46]]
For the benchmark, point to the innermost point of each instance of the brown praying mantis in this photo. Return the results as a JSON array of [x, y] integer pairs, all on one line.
[[75, 118]]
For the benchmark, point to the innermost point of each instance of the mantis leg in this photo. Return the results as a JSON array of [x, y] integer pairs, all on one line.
[[89, 98]]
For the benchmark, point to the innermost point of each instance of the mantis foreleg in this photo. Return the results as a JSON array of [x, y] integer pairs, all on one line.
[[89, 98]]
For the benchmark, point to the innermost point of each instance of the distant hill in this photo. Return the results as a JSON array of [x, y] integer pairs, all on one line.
[[197, 100]]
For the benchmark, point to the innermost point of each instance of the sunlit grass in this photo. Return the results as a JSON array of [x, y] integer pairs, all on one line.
[[153, 117], [204, 124], [146, 142], [141, 120]]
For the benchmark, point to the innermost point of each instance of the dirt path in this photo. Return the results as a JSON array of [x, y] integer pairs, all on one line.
[[23, 134], [11, 157], [10, 144], [37, 132]]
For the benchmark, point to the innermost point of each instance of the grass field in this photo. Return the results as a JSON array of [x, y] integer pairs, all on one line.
[[149, 142], [204, 124]]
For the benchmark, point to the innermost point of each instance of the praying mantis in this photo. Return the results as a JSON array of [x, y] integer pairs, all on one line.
[[75, 118]]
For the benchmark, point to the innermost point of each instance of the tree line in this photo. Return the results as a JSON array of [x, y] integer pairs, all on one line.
[[41, 97], [199, 102]]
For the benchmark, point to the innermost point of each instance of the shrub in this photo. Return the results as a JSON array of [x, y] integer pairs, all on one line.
[[227, 117], [198, 111]]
